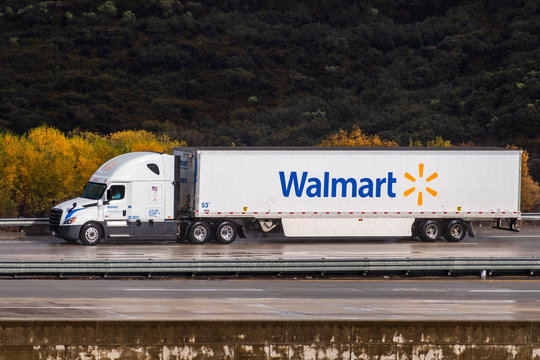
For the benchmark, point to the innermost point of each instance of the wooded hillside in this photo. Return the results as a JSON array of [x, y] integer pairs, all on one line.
[[276, 72]]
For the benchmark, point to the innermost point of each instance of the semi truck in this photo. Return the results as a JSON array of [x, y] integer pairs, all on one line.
[[199, 194]]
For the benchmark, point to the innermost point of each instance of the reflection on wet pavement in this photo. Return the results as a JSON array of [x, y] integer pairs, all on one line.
[[489, 243]]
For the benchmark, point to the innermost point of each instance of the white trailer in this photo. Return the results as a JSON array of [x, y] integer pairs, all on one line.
[[201, 194]]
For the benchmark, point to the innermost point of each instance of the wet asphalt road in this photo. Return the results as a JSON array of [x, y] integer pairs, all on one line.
[[470, 299], [488, 243], [365, 299]]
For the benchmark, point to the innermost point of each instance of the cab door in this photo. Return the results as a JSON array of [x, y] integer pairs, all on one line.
[[115, 211]]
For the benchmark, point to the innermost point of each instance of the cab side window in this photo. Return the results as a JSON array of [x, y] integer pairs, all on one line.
[[117, 192], [154, 168]]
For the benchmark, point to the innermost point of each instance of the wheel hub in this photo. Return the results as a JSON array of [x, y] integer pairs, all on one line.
[[226, 232], [92, 234], [199, 233], [432, 231]]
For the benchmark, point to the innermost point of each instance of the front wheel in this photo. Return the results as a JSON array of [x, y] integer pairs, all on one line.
[[91, 234], [455, 231], [226, 232]]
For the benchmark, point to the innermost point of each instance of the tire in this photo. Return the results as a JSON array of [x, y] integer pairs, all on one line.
[[226, 232], [430, 230], [455, 231], [199, 233], [91, 234]]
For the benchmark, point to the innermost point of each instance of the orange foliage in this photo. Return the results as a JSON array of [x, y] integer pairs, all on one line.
[[141, 141], [355, 138], [45, 164], [530, 189]]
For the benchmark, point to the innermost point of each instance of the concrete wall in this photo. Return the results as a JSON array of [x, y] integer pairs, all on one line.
[[172, 340]]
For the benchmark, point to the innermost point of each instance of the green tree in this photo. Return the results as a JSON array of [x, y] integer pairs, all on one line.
[[108, 8]]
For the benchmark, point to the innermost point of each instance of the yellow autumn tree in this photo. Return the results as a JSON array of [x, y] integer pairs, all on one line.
[[85, 157], [141, 140], [8, 173], [99, 148], [530, 189], [45, 164], [355, 138], [45, 170]]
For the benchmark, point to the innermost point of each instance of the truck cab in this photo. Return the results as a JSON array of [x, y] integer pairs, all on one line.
[[128, 197]]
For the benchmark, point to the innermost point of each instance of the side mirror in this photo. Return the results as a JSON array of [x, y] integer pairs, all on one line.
[[109, 194]]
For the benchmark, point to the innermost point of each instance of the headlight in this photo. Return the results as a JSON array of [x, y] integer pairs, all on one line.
[[70, 220]]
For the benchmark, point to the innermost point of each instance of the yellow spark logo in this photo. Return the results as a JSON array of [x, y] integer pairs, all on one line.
[[427, 188], [108, 166]]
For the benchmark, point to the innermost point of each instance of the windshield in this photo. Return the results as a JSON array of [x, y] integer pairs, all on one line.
[[94, 191]]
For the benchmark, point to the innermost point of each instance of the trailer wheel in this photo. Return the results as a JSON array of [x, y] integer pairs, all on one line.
[[430, 230], [455, 231], [199, 233], [226, 232], [91, 234]]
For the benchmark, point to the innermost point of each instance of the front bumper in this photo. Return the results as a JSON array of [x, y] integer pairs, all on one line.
[[68, 232]]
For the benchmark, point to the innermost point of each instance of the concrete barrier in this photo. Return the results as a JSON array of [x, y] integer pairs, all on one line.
[[366, 340]]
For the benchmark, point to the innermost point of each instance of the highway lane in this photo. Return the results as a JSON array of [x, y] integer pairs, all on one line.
[[382, 299], [489, 243], [270, 300]]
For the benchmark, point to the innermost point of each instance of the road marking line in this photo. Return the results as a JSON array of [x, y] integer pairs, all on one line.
[[195, 290], [56, 307], [462, 302], [513, 236], [503, 291]]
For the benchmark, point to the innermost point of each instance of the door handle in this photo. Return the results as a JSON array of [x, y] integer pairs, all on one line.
[[123, 212]]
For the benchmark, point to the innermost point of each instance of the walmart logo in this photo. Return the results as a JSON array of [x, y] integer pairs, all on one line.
[[422, 188], [304, 184]]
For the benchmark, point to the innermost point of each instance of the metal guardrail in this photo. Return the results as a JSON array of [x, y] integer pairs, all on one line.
[[530, 216], [524, 266], [24, 222]]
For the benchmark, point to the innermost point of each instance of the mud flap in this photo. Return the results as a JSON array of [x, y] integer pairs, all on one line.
[[240, 230], [470, 229]]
